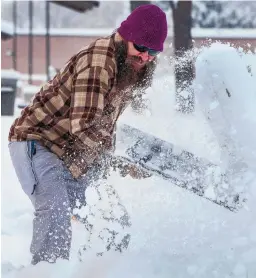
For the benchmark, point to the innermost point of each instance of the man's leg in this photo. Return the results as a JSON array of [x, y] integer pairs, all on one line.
[[51, 225], [105, 218], [95, 175]]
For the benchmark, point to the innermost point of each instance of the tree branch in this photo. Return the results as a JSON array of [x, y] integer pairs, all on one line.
[[172, 5]]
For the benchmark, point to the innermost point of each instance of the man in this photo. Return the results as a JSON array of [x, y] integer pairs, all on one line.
[[63, 140]]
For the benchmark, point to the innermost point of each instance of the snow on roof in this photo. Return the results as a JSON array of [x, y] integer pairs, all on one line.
[[11, 74], [223, 33], [69, 31], [7, 27], [196, 32]]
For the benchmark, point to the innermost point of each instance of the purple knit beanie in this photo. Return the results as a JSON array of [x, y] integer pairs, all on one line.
[[147, 26]]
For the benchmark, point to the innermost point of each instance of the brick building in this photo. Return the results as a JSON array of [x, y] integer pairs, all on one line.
[[66, 42]]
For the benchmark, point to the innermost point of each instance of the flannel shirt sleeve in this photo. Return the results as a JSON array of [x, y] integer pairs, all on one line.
[[87, 104]]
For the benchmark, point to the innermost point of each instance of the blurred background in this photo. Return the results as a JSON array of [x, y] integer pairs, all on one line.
[[38, 37]]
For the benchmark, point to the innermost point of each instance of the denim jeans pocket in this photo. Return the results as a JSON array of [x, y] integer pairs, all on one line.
[[21, 160], [31, 151]]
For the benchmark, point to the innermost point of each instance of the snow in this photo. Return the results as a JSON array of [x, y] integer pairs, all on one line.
[[228, 14], [10, 74], [175, 127], [231, 33], [31, 89], [173, 231], [95, 32], [7, 89], [242, 98], [6, 27], [37, 77]]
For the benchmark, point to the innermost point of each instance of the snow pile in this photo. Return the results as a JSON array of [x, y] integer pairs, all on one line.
[[228, 77], [226, 92]]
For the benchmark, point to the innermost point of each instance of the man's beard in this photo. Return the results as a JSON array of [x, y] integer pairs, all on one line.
[[127, 75]]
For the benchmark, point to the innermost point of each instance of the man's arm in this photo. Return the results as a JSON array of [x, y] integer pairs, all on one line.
[[87, 104]]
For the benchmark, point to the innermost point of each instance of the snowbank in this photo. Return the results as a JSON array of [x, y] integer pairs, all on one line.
[[225, 89]]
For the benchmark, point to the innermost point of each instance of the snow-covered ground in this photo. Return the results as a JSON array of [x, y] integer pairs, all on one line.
[[174, 232]]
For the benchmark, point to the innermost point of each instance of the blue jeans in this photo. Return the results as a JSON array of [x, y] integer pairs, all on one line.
[[54, 193]]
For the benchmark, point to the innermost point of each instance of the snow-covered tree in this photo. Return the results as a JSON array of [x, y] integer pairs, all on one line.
[[224, 14]]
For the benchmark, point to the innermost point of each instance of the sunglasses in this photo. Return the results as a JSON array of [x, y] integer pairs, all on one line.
[[141, 48]]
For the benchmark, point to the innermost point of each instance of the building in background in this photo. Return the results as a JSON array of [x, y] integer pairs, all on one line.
[[66, 42]]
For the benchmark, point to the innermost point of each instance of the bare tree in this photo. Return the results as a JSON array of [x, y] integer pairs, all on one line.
[[224, 14], [184, 70], [136, 4]]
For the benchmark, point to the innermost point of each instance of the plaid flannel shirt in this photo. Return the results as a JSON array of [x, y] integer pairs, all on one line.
[[74, 115]]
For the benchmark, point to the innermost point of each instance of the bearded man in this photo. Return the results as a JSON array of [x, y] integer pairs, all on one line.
[[64, 138]]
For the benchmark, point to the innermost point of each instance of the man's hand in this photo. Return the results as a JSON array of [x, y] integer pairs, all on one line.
[[126, 168], [136, 172]]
